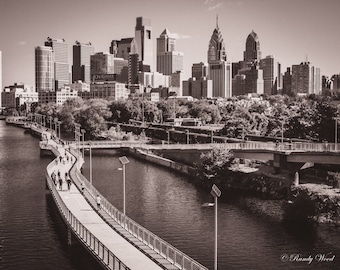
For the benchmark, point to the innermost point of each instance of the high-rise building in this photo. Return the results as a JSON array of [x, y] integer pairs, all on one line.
[[102, 63], [199, 70], [252, 54], [168, 59], [44, 69], [272, 78], [306, 79], [60, 61], [220, 71], [0, 78], [143, 35], [82, 62], [122, 48], [287, 82], [249, 78], [198, 88]]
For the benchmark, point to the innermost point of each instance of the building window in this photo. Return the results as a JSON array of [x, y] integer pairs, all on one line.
[[148, 34]]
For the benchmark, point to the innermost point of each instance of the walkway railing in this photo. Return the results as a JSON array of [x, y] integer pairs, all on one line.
[[84, 235], [161, 247], [271, 146]]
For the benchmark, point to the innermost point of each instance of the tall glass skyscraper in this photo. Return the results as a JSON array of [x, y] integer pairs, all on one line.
[[61, 65], [44, 69], [82, 62]]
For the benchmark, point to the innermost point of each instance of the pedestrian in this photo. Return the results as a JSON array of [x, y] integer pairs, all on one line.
[[60, 183], [59, 173], [60, 158], [69, 182], [66, 174], [98, 202], [82, 187]]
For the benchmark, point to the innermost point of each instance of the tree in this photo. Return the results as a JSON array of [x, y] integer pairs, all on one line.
[[214, 165]]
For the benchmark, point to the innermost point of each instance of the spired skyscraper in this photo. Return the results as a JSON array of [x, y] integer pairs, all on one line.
[[252, 54], [220, 70], [82, 62]]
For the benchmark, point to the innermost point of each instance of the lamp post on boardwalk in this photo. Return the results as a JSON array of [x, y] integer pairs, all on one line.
[[188, 138], [124, 161], [76, 134], [216, 193], [90, 144], [59, 122], [83, 136]]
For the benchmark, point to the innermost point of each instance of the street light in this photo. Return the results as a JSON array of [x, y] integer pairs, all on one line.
[[216, 193], [124, 161], [188, 138], [83, 132], [90, 144]]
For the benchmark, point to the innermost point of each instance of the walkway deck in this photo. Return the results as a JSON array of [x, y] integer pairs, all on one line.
[[114, 239]]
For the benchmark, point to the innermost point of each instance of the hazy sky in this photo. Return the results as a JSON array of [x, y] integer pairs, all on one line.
[[291, 30]]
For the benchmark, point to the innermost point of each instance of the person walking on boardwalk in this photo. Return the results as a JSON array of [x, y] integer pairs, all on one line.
[[60, 183], [69, 182], [82, 187], [98, 202]]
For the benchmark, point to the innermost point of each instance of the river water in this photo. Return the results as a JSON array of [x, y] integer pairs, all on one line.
[[33, 236]]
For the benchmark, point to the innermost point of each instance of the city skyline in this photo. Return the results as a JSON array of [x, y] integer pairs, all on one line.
[[292, 31]]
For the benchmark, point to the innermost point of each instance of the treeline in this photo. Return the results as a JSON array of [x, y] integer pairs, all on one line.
[[309, 117]]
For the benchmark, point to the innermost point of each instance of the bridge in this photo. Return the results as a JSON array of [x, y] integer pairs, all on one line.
[[115, 240], [281, 154]]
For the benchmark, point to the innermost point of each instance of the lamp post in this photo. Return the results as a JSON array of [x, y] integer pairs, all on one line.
[[216, 193], [59, 122], [124, 161], [188, 138], [282, 132], [90, 144], [83, 136]]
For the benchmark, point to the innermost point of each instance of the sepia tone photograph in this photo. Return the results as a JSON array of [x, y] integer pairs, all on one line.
[[174, 135]]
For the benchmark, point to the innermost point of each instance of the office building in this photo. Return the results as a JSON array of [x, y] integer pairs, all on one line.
[[287, 82], [252, 54], [198, 88], [122, 48], [44, 69], [306, 79], [143, 37], [0, 78], [110, 90], [65, 93], [168, 59], [154, 79], [60, 61], [220, 71], [102, 63], [19, 95], [199, 70], [272, 78], [82, 62]]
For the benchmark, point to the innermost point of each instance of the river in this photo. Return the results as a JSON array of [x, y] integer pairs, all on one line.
[[33, 235]]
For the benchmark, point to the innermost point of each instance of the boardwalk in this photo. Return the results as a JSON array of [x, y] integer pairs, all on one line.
[[114, 239]]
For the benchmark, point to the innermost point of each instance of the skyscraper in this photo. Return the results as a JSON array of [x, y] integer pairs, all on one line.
[[306, 79], [44, 69], [252, 54], [272, 78], [122, 48], [82, 61], [220, 70], [143, 34], [0, 78], [169, 61], [60, 59]]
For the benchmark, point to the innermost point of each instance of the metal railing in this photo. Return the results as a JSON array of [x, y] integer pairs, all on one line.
[[108, 259], [161, 247]]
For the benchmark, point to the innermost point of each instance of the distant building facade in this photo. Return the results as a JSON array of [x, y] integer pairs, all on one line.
[[44, 69], [17, 95], [272, 77]]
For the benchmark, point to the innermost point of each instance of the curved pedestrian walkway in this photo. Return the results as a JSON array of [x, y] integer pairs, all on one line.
[[119, 242], [84, 215]]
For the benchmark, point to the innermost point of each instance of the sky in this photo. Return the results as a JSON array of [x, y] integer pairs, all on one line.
[[293, 31]]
